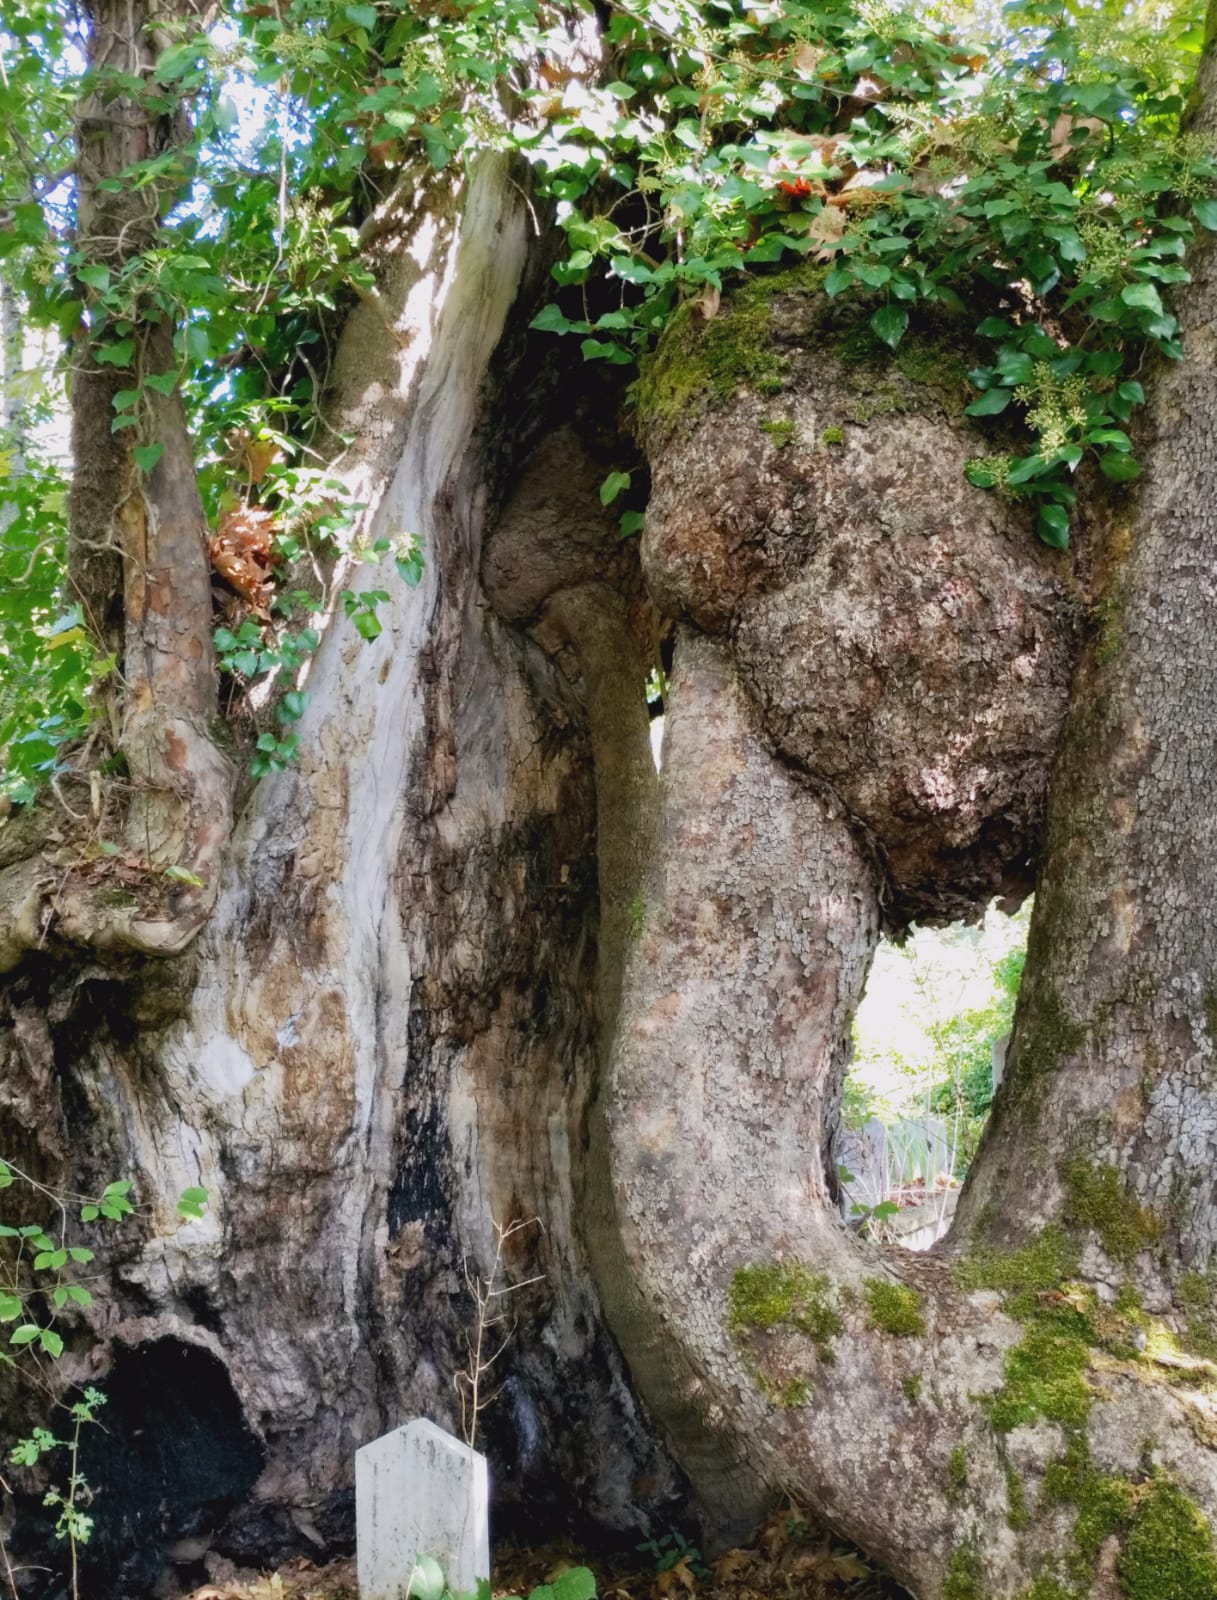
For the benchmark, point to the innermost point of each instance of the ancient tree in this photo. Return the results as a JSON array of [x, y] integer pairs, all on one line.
[[460, 956]]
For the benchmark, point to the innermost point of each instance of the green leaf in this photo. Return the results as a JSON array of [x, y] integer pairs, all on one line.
[[177, 874], [146, 456], [1052, 525], [116, 355], [630, 523], [50, 1260], [838, 279], [293, 705], [78, 1295], [362, 16], [889, 322], [602, 350], [1205, 212], [616, 483], [1026, 468], [1142, 297], [191, 1202], [427, 1579], [1119, 467], [995, 328], [51, 1343], [162, 382], [97, 277], [990, 404], [25, 1334], [11, 1306], [551, 320]]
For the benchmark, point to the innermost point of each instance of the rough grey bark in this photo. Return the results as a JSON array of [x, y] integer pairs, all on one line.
[[384, 1041], [1057, 1347], [455, 975]]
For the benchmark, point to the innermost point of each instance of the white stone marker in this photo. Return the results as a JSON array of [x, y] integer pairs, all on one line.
[[420, 1492]]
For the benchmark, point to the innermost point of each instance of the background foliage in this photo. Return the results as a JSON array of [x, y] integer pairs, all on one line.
[[1035, 185]]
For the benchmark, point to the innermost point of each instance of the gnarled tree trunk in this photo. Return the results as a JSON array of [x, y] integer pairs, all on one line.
[[472, 962]]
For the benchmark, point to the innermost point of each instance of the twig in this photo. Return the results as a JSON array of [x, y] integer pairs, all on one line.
[[469, 1383]]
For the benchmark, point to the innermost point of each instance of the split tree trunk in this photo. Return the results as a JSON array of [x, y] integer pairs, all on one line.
[[386, 1039], [469, 965], [1029, 1405]]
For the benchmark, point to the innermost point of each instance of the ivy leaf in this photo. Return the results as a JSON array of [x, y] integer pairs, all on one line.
[[629, 524], [990, 404], [576, 1583], [191, 1202], [183, 875], [1205, 212], [146, 456], [1052, 525], [616, 483], [889, 322], [97, 277], [427, 1579], [551, 320], [1142, 297], [602, 350], [292, 706], [1119, 467], [116, 355], [838, 279]]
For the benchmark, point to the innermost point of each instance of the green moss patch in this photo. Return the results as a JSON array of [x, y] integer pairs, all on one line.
[[1045, 1377], [893, 1307], [1043, 1263], [1168, 1552], [1104, 1504], [1017, 1515], [699, 364], [964, 1579], [783, 1294], [780, 431], [1098, 1200], [788, 1396], [1045, 1588], [1053, 1035]]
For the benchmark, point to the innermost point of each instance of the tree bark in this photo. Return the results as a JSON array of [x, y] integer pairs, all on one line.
[[471, 963], [962, 1415], [386, 1038]]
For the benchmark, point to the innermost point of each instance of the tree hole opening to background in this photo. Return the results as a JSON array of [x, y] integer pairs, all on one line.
[[930, 1037]]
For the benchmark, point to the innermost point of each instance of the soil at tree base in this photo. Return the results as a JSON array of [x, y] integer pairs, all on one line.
[[789, 1557]]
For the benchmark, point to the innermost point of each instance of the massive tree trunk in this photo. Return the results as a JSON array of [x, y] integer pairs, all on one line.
[[386, 1040], [473, 963], [1025, 1411]]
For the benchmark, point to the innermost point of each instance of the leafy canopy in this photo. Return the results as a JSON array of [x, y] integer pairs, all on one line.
[[1035, 184]]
